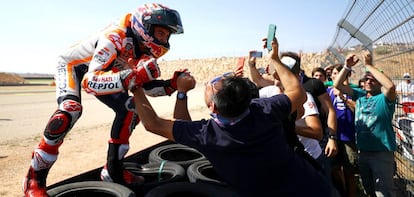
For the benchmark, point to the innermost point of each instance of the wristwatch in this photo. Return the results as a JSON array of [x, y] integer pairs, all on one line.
[[181, 95], [333, 136]]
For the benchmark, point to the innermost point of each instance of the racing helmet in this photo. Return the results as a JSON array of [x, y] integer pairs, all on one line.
[[149, 15]]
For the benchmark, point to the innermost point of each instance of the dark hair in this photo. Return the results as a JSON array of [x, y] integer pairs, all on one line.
[[296, 68], [254, 90], [339, 67], [234, 97], [319, 69], [368, 75], [362, 80]]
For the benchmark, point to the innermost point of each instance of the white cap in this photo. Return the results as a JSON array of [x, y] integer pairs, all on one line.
[[407, 75], [288, 61]]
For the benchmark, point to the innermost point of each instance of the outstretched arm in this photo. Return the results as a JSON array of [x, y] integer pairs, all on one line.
[[257, 78], [291, 84], [149, 117]]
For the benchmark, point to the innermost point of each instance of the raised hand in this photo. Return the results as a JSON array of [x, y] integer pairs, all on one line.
[[351, 60], [185, 82], [274, 53], [251, 60], [239, 70], [176, 75], [367, 57]]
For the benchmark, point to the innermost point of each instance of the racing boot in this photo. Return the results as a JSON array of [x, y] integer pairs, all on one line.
[[113, 171], [127, 178], [34, 184]]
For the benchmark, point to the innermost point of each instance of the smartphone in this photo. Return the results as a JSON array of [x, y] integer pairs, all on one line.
[[270, 36], [256, 54], [240, 64], [261, 70]]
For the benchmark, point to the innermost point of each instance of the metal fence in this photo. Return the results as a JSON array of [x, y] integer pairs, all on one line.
[[386, 28]]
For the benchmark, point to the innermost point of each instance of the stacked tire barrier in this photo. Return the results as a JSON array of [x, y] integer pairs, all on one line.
[[168, 169]]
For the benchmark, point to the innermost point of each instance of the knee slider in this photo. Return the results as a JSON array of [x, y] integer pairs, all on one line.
[[63, 119], [58, 125]]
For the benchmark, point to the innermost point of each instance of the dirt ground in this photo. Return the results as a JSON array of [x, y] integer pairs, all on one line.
[[85, 146]]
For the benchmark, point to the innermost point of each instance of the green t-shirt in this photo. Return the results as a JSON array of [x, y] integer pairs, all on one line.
[[330, 83], [373, 123]]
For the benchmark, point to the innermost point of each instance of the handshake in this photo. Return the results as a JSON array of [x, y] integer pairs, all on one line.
[[145, 71]]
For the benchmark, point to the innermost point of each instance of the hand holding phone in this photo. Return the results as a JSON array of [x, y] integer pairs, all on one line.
[[240, 66], [270, 36], [257, 54]]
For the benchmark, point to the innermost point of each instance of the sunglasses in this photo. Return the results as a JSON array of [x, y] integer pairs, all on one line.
[[370, 79], [214, 82]]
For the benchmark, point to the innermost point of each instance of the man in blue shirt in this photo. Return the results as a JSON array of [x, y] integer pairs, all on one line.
[[245, 138], [375, 137]]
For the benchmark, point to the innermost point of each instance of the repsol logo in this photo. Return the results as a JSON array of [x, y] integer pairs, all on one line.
[[102, 86], [61, 79], [102, 79]]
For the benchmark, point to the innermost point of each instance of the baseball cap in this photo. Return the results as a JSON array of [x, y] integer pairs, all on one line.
[[291, 64], [407, 76]]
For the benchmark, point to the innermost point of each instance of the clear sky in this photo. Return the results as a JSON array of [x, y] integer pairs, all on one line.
[[34, 32]]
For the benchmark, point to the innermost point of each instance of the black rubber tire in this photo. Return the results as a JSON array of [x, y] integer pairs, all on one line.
[[152, 173], [203, 171], [177, 153], [186, 189], [154, 176], [91, 189]]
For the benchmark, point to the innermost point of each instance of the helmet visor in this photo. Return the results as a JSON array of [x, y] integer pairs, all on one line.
[[166, 17]]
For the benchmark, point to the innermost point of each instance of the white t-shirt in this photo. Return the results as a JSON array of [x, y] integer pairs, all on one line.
[[406, 91], [311, 145]]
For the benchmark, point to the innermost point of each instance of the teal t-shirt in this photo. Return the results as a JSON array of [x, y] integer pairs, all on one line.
[[330, 84], [373, 123]]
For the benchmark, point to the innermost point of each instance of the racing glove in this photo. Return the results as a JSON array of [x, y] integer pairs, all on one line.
[[172, 85], [173, 80], [163, 87], [145, 71]]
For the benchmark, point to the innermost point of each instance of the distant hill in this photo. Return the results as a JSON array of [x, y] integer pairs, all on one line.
[[204, 69], [10, 78], [35, 75]]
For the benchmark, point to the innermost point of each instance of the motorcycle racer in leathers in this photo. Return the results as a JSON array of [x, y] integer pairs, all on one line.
[[108, 65]]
